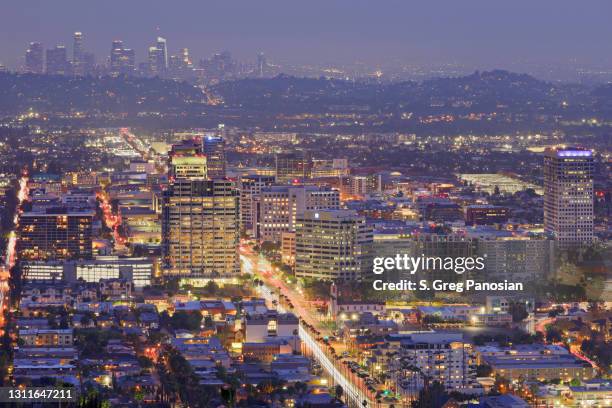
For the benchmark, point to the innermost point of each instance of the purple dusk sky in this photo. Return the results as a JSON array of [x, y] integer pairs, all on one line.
[[476, 32]]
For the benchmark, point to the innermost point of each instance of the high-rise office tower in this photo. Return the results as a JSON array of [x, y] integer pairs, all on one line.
[[250, 187], [292, 167], [186, 160], [152, 60], [201, 228], [89, 63], [175, 66], [186, 59], [56, 233], [155, 67], [214, 149], [78, 61], [262, 64], [158, 57], [180, 65], [115, 56], [34, 58], [276, 208], [568, 196], [163, 52], [219, 66], [122, 60], [201, 217], [57, 61], [332, 245]]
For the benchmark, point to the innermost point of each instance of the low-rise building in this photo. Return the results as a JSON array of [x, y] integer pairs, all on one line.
[[259, 327], [438, 356], [594, 393], [46, 337], [535, 362]]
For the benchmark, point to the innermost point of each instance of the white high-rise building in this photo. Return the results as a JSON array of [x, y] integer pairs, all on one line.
[[250, 187], [332, 245], [78, 63], [278, 207], [568, 196], [163, 52]]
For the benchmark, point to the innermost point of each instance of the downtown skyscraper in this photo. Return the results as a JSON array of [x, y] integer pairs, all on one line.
[[57, 61], [34, 58], [122, 59], [568, 196], [158, 57], [78, 55]]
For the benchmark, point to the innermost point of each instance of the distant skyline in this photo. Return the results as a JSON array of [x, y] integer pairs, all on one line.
[[482, 34]]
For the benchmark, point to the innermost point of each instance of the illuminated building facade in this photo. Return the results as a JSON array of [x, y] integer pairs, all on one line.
[[250, 188], [291, 167], [486, 214], [277, 207], [568, 196], [122, 59], [55, 234], [78, 60], [214, 149], [186, 160], [201, 228], [332, 245], [437, 356], [330, 168]]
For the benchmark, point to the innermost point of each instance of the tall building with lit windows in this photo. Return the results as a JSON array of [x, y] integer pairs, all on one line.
[[55, 233], [201, 228], [332, 245], [250, 187], [158, 57], [200, 217], [57, 61], [162, 47], [276, 208], [214, 149], [122, 59], [34, 58], [78, 55], [568, 196]]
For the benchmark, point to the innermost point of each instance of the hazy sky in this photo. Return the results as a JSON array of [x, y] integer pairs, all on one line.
[[477, 32]]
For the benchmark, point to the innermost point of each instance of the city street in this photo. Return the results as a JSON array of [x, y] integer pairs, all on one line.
[[353, 386], [10, 257]]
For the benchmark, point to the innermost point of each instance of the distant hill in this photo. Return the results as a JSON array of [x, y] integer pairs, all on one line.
[[480, 91], [106, 94], [497, 92]]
